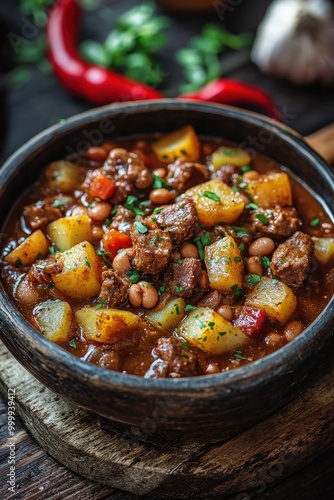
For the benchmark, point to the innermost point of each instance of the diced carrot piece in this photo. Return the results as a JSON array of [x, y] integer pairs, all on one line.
[[114, 240], [101, 187]]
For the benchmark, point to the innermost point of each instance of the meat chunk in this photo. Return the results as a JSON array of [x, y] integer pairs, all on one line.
[[282, 222], [152, 249], [183, 175], [228, 174], [128, 171], [182, 278], [172, 360], [42, 270], [123, 220], [291, 260], [40, 214], [179, 219], [114, 289]]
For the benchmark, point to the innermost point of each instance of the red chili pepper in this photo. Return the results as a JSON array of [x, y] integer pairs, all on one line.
[[102, 86], [226, 91], [95, 83]]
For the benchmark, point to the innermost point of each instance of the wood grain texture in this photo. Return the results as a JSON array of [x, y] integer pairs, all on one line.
[[159, 464]]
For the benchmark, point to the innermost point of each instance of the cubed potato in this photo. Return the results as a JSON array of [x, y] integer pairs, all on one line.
[[324, 250], [224, 264], [230, 156], [80, 277], [54, 318], [276, 298], [69, 231], [216, 202], [169, 316], [63, 176], [210, 332], [107, 325], [183, 142], [31, 249], [271, 190]]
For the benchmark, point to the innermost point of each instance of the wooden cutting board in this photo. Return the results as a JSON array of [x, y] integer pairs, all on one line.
[[170, 465]]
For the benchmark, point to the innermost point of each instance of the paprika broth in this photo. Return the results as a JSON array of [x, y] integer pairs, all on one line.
[[169, 256]]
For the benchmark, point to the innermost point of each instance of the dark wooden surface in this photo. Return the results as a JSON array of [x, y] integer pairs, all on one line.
[[40, 102]]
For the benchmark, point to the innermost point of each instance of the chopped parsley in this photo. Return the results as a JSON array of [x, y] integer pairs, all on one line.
[[262, 218], [210, 195], [87, 263], [238, 355], [315, 222], [253, 279], [189, 307], [40, 256], [239, 292], [103, 255], [157, 210], [178, 288], [18, 263], [237, 259], [60, 202], [184, 344], [101, 303], [179, 261], [265, 261], [114, 210], [241, 231], [141, 227], [159, 183], [134, 275], [107, 222], [53, 249], [177, 309], [72, 343], [245, 168], [228, 152], [162, 289], [241, 247], [252, 206]]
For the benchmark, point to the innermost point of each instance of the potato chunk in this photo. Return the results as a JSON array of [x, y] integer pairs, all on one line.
[[210, 332], [230, 156], [183, 142], [216, 202], [324, 250], [276, 298], [54, 318], [69, 231], [29, 250], [107, 325], [80, 277], [224, 264], [169, 316], [63, 176], [271, 190]]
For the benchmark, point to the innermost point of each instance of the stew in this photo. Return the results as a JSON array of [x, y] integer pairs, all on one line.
[[169, 256]]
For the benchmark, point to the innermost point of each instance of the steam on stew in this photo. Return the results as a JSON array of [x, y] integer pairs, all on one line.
[[169, 257]]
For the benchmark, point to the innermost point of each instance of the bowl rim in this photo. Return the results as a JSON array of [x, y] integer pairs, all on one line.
[[269, 366]]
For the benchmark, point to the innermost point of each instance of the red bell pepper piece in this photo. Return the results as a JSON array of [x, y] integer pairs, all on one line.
[[251, 320], [114, 240]]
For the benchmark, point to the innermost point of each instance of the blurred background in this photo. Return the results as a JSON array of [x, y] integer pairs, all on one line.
[[174, 47]]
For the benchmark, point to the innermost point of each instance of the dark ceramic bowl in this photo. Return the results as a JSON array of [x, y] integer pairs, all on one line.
[[231, 400]]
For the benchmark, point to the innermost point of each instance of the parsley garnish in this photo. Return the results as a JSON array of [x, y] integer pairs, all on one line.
[[177, 309], [53, 249], [253, 279], [262, 218], [252, 206], [101, 303], [72, 343], [18, 263], [178, 288], [238, 355], [60, 203], [87, 263], [237, 259], [159, 183], [157, 210], [241, 231], [189, 307], [210, 195], [162, 289], [315, 222], [265, 261], [245, 168], [103, 255], [40, 256], [228, 152], [107, 222], [141, 227], [134, 275], [239, 292]]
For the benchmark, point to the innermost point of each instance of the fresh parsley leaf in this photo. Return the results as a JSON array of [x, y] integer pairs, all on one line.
[[211, 195], [141, 227], [315, 222], [262, 218], [239, 292], [253, 279], [134, 275]]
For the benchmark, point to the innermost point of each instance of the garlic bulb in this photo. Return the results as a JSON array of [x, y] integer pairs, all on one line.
[[295, 40]]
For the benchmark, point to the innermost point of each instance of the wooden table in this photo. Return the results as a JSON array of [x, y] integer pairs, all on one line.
[[41, 102]]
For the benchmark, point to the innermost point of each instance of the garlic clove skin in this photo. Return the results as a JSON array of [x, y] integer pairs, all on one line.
[[295, 40]]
